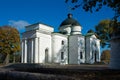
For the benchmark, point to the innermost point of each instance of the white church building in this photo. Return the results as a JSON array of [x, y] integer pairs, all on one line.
[[40, 44]]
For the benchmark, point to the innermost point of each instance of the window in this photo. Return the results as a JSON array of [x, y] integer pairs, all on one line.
[[95, 45], [62, 55], [81, 56], [62, 42], [64, 32]]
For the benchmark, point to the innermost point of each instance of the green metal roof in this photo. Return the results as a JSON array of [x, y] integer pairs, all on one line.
[[70, 21]]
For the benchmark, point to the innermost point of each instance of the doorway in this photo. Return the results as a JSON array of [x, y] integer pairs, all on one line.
[[95, 59], [46, 55]]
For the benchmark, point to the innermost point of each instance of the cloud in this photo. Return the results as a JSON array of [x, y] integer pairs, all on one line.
[[20, 24]]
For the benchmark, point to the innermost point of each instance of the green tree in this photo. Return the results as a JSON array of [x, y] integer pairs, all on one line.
[[105, 56], [9, 41], [106, 27], [104, 30], [96, 5]]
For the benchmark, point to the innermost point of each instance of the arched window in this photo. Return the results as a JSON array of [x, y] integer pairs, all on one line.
[[62, 43], [62, 55], [81, 55]]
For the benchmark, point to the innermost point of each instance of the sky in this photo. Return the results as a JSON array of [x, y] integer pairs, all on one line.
[[21, 13]]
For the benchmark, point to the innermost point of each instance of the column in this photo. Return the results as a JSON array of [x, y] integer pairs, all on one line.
[[98, 50], [22, 55], [36, 51], [25, 51], [32, 51]]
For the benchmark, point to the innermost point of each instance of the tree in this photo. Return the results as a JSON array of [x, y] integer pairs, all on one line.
[[104, 30], [91, 5], [9, 41], [106, 27], [105, 56]]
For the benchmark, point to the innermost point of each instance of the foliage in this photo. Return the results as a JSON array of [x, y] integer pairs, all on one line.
[[106, 27], [9, 41], [15, 58], [105, 57], [104, 30], [91, 5]]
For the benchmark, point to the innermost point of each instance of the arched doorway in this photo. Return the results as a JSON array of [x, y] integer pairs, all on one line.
[[95, 58], [46, 55]]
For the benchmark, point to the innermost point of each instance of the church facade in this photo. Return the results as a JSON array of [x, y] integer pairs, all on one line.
[[40, 44]]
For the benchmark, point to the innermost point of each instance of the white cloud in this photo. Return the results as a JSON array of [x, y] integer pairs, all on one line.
[[20, 24]]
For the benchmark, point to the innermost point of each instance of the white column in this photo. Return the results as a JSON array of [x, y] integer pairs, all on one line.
[[25, 51], [32, 51], [98, 50], [36, 50], [22, 55]]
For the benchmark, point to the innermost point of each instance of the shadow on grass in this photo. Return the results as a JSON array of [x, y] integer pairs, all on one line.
[[57, 72]]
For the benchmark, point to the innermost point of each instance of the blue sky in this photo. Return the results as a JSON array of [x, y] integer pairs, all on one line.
[[19, 13]]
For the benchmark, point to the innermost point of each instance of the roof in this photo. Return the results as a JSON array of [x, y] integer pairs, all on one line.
[[70, 21], [38, 24], [89, 34]]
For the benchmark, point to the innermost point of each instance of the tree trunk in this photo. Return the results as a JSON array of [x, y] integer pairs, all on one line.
[[13, 57], [6, 61]]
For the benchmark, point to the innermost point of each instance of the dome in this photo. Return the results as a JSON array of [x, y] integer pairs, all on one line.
[[70, 26], [70, 21]]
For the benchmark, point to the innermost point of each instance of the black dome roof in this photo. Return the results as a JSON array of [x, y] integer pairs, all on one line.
[[70, 21]]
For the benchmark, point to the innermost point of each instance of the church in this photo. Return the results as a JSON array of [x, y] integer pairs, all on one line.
[[40, 44]]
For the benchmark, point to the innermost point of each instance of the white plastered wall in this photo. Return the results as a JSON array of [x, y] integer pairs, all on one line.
[[57, 48], [44, 41], [91, 48], [75, 49]]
